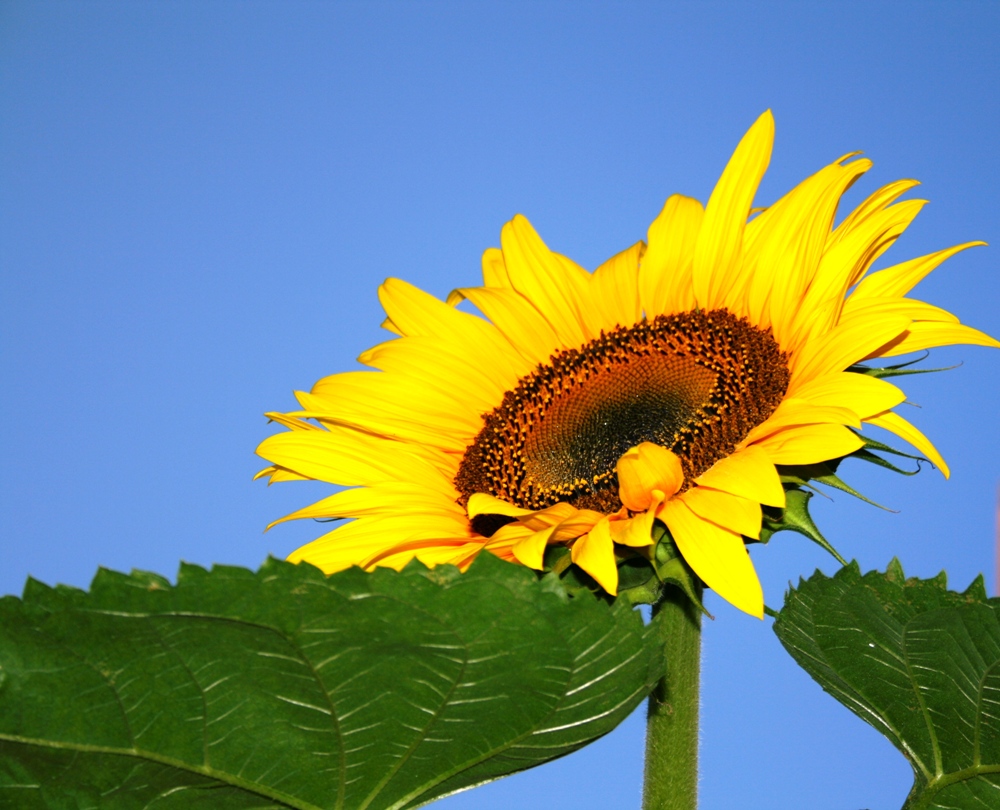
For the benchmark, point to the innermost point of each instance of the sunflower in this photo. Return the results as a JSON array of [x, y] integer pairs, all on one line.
[[672, 383]]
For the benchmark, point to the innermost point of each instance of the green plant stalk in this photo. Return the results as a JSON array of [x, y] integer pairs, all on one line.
[[671, 777]]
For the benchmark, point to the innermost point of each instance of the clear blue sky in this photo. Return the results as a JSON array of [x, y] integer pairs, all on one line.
[[199, 199]]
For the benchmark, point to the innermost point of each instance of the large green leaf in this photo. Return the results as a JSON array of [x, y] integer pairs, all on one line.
[[918, 662], [287, 689]]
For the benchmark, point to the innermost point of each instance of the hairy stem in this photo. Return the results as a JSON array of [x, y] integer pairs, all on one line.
[[671, 779]]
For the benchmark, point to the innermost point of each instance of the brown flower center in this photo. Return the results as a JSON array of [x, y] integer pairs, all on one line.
[[695, 382]]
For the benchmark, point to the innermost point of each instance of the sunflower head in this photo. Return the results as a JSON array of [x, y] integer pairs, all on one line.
[[651, 417]]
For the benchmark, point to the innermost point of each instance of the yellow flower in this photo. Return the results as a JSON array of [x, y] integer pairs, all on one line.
[[668, 384]]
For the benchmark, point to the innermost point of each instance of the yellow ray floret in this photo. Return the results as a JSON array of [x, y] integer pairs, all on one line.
[[672, 384]]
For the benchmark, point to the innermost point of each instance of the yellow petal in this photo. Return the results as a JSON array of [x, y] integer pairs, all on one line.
[[366, 539], [871, 206], [847, 260], [911, 308], [717, 255], [850, 341], [717, 555], [460, 556], [899, 279], [291, 422], [481, 503], [550, 516], [579, 277], [392, 497], [267, 471], [530, 550], [595, 554], [784, 246], [644, 469], [276, 475], [538, 274], [665, 268], [431, 554], [494, 269], [810, 444], [749, 473], [861, 393], [576, 525], [442, 366], [364, 394], [414, 312], [874, 235], [637, 531], [613, 290], [800, 412], [501, 547], [523, 325], [370, 442], [345, 458], [561, 521], [895, 423], [430, 551], [732, 512], [441, 430], [414, 434], [928, 335]]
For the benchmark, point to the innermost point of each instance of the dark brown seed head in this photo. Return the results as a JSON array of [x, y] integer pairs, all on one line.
[[696, 382]]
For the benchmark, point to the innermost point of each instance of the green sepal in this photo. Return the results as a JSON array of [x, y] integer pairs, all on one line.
[[872, 458], [646, 592], [671, 568], [558, 566], [916, 661], [556, 560], [882, 447], [637, 580], [823, 473], [643, 572], [898, 370], [795, 517]]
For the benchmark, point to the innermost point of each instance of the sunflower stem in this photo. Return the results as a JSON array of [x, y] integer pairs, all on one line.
[[671, 778]]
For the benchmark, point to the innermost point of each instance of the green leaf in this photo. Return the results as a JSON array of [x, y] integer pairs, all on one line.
[[919, 663], [288, 689]]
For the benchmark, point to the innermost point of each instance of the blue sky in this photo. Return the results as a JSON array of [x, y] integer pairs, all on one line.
[[199, 199]]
